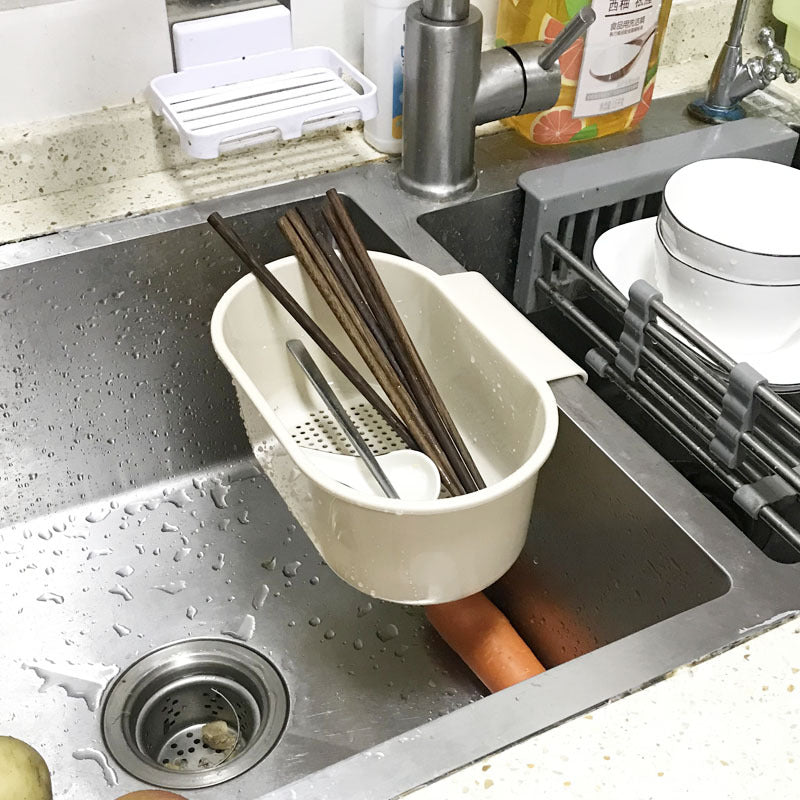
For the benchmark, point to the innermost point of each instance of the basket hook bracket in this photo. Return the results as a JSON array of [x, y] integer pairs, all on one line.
[[740, 408], [639, 314]]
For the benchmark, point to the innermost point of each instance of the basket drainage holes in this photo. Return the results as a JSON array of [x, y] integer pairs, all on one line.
[[154, 715]]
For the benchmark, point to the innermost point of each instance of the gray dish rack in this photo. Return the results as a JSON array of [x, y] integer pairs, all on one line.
[[741, 433]]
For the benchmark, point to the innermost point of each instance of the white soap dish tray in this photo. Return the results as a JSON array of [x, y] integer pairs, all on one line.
[[282, 94]]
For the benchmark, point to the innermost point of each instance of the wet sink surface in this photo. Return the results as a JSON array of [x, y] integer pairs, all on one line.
[[212, 554], [140, 549], [133, 516]]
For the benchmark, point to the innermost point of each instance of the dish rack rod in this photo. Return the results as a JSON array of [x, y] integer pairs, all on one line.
[[722, 412]]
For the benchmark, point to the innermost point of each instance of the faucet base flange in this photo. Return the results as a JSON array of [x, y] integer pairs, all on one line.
[[714, 115], [438, 192]]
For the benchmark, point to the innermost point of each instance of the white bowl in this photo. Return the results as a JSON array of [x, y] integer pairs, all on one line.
[[735, 218], [735, 316], [708, 256]]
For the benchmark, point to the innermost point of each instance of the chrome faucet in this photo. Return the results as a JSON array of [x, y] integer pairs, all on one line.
[[449, 88], [732, 80]]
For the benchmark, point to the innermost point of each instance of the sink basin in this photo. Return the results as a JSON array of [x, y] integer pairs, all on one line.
[[134, 518], [482, 235]]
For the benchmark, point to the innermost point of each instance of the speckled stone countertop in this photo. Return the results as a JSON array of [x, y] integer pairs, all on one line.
[[725, 729], [122, 161]]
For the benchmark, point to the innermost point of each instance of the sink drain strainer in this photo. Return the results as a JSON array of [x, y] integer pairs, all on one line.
[[156, 712]]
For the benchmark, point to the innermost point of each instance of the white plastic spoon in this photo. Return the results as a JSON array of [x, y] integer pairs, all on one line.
[[413, 475]]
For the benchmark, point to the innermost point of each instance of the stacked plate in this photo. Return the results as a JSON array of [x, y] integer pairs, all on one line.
[[725, 253]]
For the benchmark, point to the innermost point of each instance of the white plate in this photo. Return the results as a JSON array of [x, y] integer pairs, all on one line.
[[626, 253]]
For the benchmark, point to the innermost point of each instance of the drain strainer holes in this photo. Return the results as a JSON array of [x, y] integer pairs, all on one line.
[[182, 735], [195, 713]]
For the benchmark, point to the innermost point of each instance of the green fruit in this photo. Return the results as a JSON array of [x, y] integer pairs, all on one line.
[[23, 772], [574, 6]]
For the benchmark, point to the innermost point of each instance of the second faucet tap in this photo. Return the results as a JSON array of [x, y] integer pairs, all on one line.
[[733, 79]]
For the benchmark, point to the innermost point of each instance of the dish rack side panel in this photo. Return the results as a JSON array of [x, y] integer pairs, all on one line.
[[579, 202]]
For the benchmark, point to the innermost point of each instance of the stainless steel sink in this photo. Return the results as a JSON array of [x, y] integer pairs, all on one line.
[[134, 517]]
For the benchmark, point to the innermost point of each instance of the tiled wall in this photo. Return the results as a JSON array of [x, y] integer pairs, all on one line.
[[60, 58], [338, 24], [64, 57], [698, 26]]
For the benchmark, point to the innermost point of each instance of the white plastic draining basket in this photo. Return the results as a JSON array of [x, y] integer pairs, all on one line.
[[491, 367]]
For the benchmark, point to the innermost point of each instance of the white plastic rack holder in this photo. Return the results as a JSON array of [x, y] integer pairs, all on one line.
[[250, 98]]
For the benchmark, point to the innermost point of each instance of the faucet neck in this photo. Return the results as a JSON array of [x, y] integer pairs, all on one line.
[[445, 10], [737, 25], [441, 75], [448, 87]]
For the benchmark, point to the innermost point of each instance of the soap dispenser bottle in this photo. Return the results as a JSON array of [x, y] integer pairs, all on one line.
[[384, 32]]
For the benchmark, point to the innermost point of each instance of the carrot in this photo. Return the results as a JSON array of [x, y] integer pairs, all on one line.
[[151, 794], [485, 640]]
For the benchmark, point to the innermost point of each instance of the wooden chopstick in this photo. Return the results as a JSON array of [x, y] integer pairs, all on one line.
[[351, 289], [324, 278], [298, 313], [417, 376], [390, 339]]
